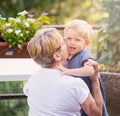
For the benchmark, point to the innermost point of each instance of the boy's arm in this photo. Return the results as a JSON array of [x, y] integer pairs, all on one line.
[[86, 70], [83, 71]]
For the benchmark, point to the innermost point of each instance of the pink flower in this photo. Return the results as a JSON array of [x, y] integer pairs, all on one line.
[[44, 14]]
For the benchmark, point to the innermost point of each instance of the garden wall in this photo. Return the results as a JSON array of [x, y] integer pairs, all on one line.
[[111, 83]]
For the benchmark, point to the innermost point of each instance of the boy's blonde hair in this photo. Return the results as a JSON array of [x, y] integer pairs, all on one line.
[[82, 27], [43, 45]]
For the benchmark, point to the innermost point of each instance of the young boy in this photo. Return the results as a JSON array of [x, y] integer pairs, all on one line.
[[78, 34]]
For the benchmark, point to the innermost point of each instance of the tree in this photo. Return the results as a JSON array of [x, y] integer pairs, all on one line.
[[10, 8], [109, 36], [60, 11]]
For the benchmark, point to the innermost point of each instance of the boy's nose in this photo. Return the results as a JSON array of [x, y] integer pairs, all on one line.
[[72, 42]]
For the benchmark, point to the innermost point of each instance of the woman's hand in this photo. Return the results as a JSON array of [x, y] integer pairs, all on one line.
[[93, 63]]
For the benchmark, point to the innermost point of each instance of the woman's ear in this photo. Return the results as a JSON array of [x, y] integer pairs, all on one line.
[[57, 56]]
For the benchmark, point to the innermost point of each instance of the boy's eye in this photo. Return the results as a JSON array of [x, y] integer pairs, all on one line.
[[68, 38], [78, 40]]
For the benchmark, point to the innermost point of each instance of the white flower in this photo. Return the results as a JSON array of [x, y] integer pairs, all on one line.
[[27, 32], [31, 20], [9, 30], [17, 32], [11, 18], [26, 24], [23, 12], [18, 20], [21, 35], [2, 18], [7, 24]]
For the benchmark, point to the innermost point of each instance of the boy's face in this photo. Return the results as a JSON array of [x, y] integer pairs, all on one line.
[[74, 41]]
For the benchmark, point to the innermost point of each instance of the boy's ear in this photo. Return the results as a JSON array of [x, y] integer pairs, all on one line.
[[88, 42], [57, 56]]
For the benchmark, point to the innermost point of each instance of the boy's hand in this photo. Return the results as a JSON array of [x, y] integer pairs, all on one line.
[[62, 69]]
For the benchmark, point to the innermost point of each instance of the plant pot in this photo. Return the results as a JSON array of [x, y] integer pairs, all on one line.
[[13, 52]]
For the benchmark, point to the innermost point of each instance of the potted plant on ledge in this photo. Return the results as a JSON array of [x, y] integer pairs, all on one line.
[[16, 32]]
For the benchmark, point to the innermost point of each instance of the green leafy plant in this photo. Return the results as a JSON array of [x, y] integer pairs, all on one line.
[[2, 22], [109, 36], [21, 29]]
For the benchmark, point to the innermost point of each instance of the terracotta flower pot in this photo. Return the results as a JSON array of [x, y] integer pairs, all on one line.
[[13, 52]]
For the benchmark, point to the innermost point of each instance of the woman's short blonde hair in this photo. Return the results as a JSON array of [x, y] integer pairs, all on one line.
[[43, 45], [82, 27]]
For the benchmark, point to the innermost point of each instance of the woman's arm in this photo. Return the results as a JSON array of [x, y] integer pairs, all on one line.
[[93, 104]]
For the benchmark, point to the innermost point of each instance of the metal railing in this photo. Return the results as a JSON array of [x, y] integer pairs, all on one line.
[[61, 27], [12, 96]]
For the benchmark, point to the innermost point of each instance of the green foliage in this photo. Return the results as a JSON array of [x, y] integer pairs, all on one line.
[[12, 7], [65, 11], [60, 11], [15, 107], [21, 29], [2, 22], [109, 35]]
